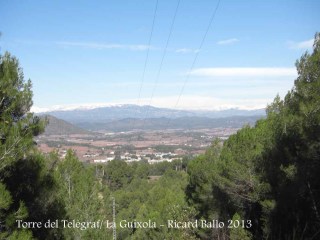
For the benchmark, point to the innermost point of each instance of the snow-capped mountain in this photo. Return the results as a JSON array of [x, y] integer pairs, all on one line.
[[76, 114]]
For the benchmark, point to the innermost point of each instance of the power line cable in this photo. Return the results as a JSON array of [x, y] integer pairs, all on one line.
[[147, 57], [195, 59], [162, 60], [145, 66], [197, 53]]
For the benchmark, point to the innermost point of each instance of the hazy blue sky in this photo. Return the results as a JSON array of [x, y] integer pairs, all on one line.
[[89, 52]]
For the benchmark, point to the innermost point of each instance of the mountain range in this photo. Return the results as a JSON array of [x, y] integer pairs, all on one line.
[[57, 126], [134, 117], [117, 112]]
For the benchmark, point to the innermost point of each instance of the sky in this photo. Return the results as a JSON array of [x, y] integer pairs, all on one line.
[[97, 53]]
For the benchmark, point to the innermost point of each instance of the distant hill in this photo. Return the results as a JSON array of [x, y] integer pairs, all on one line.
[[128, 124], [128, 117], [60, 127], [117, 112]]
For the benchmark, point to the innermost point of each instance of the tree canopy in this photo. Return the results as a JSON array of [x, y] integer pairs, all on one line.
[[263, 179], [25, 181], [268, 173]]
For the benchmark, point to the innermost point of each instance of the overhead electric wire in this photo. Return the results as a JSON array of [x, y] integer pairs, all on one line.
[[162, 60], [145, 66], [147, 57], [195, 59]]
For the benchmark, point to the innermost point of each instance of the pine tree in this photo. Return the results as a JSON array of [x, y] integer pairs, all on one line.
[[25, 183], [269, 173]]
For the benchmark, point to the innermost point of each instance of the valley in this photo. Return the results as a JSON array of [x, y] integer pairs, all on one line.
[[134, 145], [103, 134]]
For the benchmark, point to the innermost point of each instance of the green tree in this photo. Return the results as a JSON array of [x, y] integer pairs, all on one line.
[[118, 174], [17, 124], [292, 166], [25, 181], [269, 173], [83, 196], [239, 233], [166, 200]]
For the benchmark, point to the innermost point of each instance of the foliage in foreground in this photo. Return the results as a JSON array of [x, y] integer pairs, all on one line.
[[268, 173], [26, 183]]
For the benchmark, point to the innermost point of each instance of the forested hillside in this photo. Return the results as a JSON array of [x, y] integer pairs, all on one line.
[[268, 173], [262, 183], [57, 126]]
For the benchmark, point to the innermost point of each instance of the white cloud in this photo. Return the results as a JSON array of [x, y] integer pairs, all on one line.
[[301, 45], [187, 102], [194, 102], [186, 50], [244, 72], [36, 109], [68, 107], [228, 41], [101, 46]]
